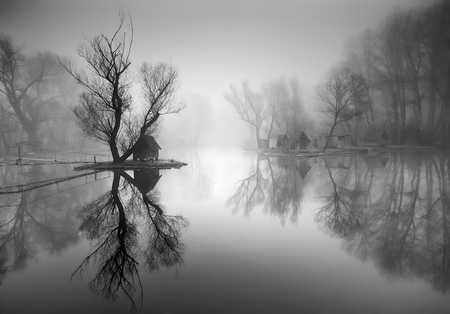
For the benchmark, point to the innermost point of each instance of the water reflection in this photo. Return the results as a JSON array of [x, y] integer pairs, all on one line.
[[112, 223], [278, 185], [37, 213], [393, 210], [43, 210]]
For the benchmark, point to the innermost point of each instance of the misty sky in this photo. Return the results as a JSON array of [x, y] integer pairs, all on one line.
[[212, 43]]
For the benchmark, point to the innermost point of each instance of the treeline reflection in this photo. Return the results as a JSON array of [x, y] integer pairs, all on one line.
[[38, 213], [392, 209], [278, 185]]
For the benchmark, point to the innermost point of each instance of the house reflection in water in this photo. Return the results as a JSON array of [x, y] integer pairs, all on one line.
[[302, 165], [283, 163], [146, 179], [336, 162], [375, 162]]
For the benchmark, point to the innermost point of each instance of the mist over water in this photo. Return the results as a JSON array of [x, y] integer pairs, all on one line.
[[267, 233], [227, 157]]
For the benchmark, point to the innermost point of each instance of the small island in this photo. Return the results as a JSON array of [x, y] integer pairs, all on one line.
[[374, 142], [133, 165], [145, 156]]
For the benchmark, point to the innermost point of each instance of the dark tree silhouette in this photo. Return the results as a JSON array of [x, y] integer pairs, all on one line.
[[106, 111], [111, 224], [344, 94]]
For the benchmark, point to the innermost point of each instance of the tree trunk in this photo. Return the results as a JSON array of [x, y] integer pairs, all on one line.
[[113, 140], [329, 136]]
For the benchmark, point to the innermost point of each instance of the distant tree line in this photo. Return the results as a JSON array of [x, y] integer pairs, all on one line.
[[43, 98], [276, 109], [35, 97], [404, 70]]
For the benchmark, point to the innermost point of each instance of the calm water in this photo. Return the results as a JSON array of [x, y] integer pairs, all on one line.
[[233, 232]]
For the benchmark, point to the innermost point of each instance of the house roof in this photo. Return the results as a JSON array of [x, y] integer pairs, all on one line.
[[374, 135], [151, 142], [303, 135]]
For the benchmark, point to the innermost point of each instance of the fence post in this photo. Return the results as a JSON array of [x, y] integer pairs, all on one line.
[[95, 160]]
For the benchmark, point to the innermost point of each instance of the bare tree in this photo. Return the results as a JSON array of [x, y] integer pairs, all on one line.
[[293, 118], [28, 86], [274, 93], [344, 94], [201, 116], [105, 111], [248, 107]]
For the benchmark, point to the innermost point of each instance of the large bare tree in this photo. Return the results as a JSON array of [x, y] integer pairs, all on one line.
[[344, 95], [106, 110], [292, 118], [248, 106], [28, 86]]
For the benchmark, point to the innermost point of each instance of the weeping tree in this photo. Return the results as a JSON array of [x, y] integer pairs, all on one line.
[[106, 110]]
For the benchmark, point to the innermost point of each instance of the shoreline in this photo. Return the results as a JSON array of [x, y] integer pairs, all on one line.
[[316, 152], [133, 165]]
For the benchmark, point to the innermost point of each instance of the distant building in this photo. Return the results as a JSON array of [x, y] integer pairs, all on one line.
[[283, 142], [146, 148], [302, 143], [376, 138], [339, 138]]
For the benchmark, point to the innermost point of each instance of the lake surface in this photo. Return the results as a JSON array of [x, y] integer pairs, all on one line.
[[232, 232]]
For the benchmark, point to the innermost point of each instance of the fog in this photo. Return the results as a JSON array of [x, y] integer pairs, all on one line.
[[282, 150], [211, 45]]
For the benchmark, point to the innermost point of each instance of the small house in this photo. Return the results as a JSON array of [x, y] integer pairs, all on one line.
[[283, 142], [302, 143], [339, 138], [376, 138], [146, 149]]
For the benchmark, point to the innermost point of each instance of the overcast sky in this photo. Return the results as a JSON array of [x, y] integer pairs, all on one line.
[[212, 43]]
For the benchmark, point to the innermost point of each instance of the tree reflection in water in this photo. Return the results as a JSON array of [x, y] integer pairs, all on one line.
[[36, 213], [393, 210], [111, 223], [278, 185]]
